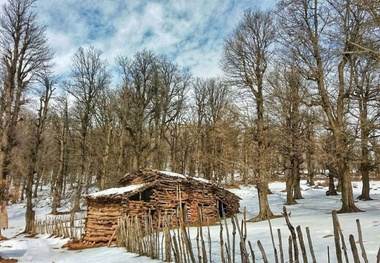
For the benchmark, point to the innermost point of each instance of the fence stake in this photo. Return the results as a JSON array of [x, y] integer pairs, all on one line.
[[336, 237], [310, 245], [354, 249], [272, 238], [280, 246], [262, 251], [292, 232], [302, 244], [364, 254]]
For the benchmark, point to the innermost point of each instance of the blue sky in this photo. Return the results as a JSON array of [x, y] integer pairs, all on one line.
[[190, 32]]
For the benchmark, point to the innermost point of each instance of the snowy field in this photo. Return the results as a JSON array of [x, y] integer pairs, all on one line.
[[314, 211]]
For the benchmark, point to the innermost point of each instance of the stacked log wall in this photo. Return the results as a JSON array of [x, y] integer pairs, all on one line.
[[101, 221], [166, 198]]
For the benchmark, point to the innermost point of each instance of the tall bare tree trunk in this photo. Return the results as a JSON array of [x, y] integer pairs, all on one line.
[[297, 178], [246, 56], [342, 145], [105, 159], [290, 181], [39, 125], [262, 171], [59, 178]]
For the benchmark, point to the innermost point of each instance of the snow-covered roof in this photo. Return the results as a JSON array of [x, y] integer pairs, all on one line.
[[135, 187], [173, 174], [117, 191], [184, 176], [201, 180]]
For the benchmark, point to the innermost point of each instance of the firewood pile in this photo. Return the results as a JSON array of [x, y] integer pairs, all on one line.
[[159, 195], [101, 222]]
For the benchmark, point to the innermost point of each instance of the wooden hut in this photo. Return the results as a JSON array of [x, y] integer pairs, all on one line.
[[160, 195]]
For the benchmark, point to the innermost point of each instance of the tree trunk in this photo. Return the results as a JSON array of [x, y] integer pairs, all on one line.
[[342, 147], [59, 178], [289, 183], [348, 204], [265, 211], [290, 200], [81, 175], [30, 213], [309, 152], [311, 177], [365, 166], [105, 159], [262, 185], [59, 184], [37, 184], [7, 132], [297, 178], [332, 190], [364, 196], [4, 154]]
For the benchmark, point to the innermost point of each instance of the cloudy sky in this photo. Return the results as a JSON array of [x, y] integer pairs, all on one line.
[[190, 32]]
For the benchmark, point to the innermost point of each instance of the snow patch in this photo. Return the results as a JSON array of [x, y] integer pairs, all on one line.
[[173, 174], [117, 191], [201, 180], [184, 176]]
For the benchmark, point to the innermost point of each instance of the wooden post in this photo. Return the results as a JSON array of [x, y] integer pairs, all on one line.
[[272, 238], [280, 245], [293, 234], [252, 252], [290, 251], [310, 245], [302, 244], [336, 237], [265, 259], [364, 254], [354, 249]]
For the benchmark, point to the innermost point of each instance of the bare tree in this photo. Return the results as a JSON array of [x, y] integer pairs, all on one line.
[[215, 121], [89, 77], [105, 137], [307, 27], [168, 104], [24, 53], [369, 43], [45, 94], [288, 92], [247, 52], [60, 132], [366, 93], [151, 103], [135, 101], [311, 122]]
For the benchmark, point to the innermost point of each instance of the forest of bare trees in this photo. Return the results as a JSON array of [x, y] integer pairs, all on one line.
[[300, 96]]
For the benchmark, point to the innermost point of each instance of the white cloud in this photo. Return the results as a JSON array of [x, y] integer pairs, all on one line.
[[191, 33]]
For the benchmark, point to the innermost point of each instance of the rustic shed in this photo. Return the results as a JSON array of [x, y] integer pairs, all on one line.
[[158, 194]]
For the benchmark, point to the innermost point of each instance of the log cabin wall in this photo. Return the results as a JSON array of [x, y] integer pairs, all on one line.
[[160, 196], [101, 222], [165, 202]]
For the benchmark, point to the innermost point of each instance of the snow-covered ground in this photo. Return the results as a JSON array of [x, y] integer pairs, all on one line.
[[314, 211]]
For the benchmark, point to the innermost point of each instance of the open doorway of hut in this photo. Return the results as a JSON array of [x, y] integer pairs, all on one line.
[[222, 209], [142, 196]]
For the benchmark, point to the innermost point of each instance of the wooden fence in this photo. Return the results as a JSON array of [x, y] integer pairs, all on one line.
[[176, 244], [170, 244], [65, 226]]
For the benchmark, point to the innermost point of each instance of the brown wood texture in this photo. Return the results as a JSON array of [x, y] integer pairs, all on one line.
[[162, 197]]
